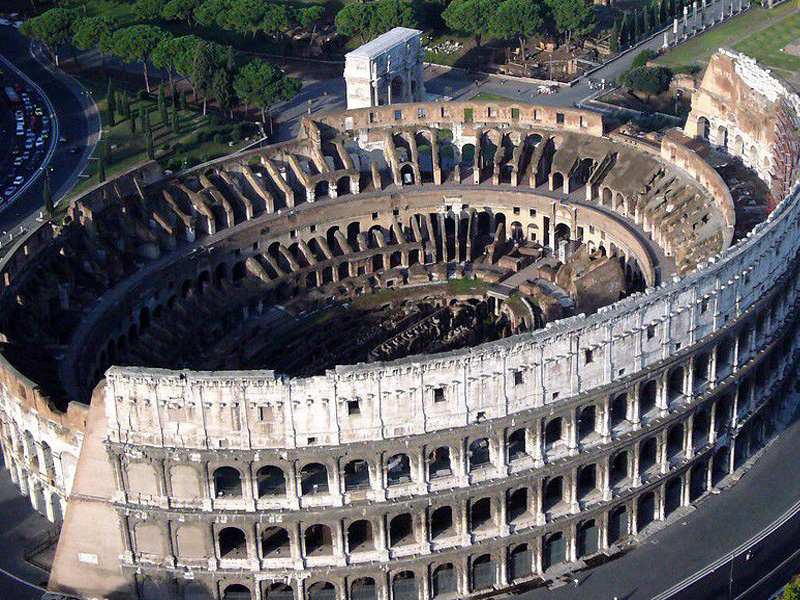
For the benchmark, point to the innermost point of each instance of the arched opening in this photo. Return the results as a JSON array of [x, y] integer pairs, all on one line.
[[401, 530], [553, 493], [363, 588], [407, 175], [700, 428], [675, 441], [236, 591], [552, 432], [484, 573], [558, 181], [516, 445], [703, 128], [404, 586], [648, 455], [517, 504], [588, 538], [227, 483], [318, 540], [675, 381], [443, 580], [673, 493], [618, 469], [278, 591], [722, 137], [698, 481], [617, 524], [587, 482], [275, 543], [270, 481], [722, 414], [232, 543], [721, 465], [356, 476], [520, 562], [646, 510], [562, 233], [587, 420], [480, 515], [321, 189], [700, 372], [398, 470], [439, 463], [313, 479], [479, 454], [343, 186], [619, 411], [442, 523], [322, 590], [554, 550], [647, 398], [359, 536]]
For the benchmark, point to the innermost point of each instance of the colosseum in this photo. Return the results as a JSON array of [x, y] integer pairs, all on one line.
[[426, 350]]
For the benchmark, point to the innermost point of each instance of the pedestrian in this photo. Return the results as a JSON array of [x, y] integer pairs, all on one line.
[[576, 582]]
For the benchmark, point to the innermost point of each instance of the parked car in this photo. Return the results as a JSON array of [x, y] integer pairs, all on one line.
[[10, 190], [18, 180]]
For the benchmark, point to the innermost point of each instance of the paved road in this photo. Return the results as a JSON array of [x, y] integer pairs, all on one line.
[[78, 122]]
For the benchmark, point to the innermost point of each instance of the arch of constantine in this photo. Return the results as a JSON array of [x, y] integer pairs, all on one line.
[[421, 351]]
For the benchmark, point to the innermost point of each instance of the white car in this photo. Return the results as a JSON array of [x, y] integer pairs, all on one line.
[[10, 191], [18, 180]]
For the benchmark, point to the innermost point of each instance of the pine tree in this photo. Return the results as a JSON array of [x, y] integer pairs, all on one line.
[[47, 198], [162, 104], [613, 42], [111, 103]]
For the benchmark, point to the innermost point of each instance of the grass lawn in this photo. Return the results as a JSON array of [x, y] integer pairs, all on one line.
[[201, 138], [766, 45], [752, 23]]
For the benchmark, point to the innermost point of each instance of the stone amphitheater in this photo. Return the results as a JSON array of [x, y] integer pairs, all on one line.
[[428, 350]]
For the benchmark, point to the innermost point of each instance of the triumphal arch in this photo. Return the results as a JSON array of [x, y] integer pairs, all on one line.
[[387, 70]]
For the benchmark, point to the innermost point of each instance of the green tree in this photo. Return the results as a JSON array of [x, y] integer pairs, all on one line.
[[572, 18], [792, 590], [125, 105], [517, 19], [181, 10], [47, 198], [208, 59], [613, 40], [394, 13], [148, 10], [641, 59], [162, 105], [132, 121], [108, 157], [222, 90], [90, 32], [176, 120], [52, 29], [111, 103], [471, 17], [151, 153], [356, 18], [647, 24], [625, 30], [262, 84], [135, 44], [649, 80], [663, 11], [216, 12], [637, 26], [101, 169], [175, 55]]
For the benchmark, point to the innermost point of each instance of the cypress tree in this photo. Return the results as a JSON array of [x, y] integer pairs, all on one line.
[[151, 153], [107, 157], [101, 169], [625, 30], [47, 198], [613, 41], [125, 105], [132, 121], [637, 26], [111, 103], [664, 11], [646, 18], [162, 104], [176, 122], [143, 119], [184, 102]]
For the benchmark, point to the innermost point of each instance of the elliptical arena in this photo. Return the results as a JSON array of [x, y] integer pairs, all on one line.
[[422, 351]]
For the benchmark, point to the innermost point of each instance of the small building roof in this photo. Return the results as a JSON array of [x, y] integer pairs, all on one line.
[[384, 42]]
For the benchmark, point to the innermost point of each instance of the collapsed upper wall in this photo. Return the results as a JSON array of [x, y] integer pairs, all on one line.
[[743, 108]]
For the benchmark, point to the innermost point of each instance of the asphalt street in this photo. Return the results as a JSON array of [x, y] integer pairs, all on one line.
[[78, 124]]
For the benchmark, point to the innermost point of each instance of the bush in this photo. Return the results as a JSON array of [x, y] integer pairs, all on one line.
[[204, 158], [237, 133], [641, 59], [219, 139], [649, 80], [688, 69]]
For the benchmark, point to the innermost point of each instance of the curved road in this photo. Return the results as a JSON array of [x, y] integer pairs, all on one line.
[[78, 124]]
